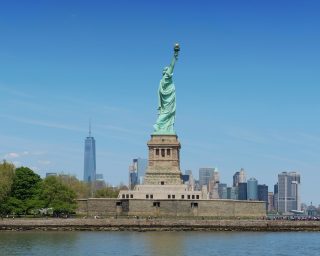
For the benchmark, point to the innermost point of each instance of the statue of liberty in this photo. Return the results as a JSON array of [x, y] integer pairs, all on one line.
[[167, 99]]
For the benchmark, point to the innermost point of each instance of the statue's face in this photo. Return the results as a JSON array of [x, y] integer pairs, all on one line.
[[164, 70]]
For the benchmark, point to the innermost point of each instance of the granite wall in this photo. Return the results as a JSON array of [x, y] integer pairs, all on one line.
[[171, 208]]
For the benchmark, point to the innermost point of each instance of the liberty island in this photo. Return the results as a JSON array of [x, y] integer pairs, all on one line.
[[163, 197], [163, 192]]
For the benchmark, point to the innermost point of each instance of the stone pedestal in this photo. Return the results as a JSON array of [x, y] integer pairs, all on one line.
[[163, 176], [164, 161]]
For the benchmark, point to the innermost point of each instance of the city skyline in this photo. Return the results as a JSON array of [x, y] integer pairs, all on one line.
[[251, 70]]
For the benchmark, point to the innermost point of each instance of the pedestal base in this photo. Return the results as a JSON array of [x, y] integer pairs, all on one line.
[[164, 161]]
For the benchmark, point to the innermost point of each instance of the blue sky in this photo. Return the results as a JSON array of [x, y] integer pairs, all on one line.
[[247, 84]]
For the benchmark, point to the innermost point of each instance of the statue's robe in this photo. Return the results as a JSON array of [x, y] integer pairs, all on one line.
[[166, 104]]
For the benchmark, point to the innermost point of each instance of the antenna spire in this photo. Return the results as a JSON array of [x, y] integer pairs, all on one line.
[[90, 127]]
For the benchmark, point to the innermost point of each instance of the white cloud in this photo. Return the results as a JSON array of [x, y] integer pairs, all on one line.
[[44, 162], [11, 155]]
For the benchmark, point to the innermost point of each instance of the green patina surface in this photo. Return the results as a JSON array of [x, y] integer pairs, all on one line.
[[167, 100]]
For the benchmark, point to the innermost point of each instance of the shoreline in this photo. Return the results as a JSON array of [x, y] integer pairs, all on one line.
[[143, 225]]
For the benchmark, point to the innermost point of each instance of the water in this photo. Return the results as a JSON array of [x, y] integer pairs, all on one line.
[[159, 243]]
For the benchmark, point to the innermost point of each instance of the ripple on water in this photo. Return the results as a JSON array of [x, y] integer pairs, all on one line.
[[159, 243]]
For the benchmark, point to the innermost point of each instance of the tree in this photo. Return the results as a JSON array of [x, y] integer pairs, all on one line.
[[6, 180], [25, 188], [123, 186], [81, 188], [108, 192], [58, 196], [26, 184], [12, 205]]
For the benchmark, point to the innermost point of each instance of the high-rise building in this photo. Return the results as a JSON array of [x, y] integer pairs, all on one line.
[[142, 165], [242, 191], [235, 178], [288, 192], [275, 188], [188, 172], [191, 180], [263, 194], [275, 197], [137, 171], [239, 177], [100, 183], [185, 178], [197, 185], [133, 178], [270, 201], [214, 185], [133, 174], [48, 174], [89, 159], [242, 176], [99, 176], [222, 190], [232, 193], [205, 175], [252, 189]]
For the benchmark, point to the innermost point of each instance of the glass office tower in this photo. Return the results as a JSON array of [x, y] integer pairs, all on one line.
[[252, 189], [89, 159], [288, 192]]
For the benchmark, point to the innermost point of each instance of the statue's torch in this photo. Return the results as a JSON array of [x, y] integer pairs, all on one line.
[[176, 50]]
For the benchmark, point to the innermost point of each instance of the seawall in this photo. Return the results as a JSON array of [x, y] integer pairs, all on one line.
[[123, 224], [171, 208]]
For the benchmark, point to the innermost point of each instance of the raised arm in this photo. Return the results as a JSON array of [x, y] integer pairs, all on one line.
[[173, 62], [176, 50]]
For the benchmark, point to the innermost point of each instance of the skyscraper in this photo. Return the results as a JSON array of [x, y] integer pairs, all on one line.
[[242, 191], [100, 183], [137, 171], [270, 201], [142, 165], [263, 194], [288, 191], [204, 176], [222, 190], [188, 172], [239, 177], [89, 158], [252, 189], [242, 176], [275, 197], [191, 180], [232, 193], [133, 178], [213, 186], [133, 174], [236, 179]]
